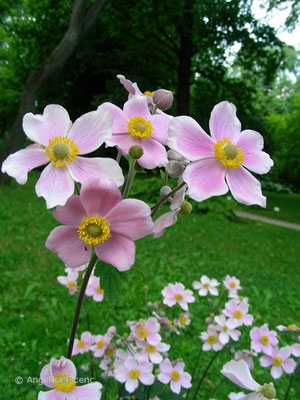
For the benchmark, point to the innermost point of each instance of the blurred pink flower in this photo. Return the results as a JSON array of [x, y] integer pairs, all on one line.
[[210, 339], [263, 340], [183, 320], [153, 353], [147, 331], [177, 294], [226, 329], [206, 286], [70, 281], [174, 374], [60, 142], [94, 289], [238, 312], [99, 218], [295, 349], [101, 343], [279, 359], [219, 161], [83, 345], [288, 328], [247, 356], [232, 284]]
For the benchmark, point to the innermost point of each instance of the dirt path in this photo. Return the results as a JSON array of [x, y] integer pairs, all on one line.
[[290, 225]]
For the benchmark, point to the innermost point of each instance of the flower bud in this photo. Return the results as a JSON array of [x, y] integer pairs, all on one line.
[[156, 372], [174, 169], [163, 99], [185, 208], [136, 152], [164, 191], [268, 391]]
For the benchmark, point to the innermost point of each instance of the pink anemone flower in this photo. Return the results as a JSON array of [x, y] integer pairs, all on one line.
[[101, 344], [238, 312], [232, 284], [60, 375], [146, 331], [94, 289], [279, 359], [289, 328], [177, 294], [134, 125], [206, 286], [262, 339], [153, 353], [99, 218], [174, 374], [60, 143], [83, 345], [70, 281], [210, 339], [219, 161]]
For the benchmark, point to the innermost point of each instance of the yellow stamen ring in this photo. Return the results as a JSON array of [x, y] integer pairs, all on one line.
[[142, 332], [277, 361], [61, 151], [71, 285], [99, 290], [212, 339], [238, 314], [229, 155], [264, 340], [140, 128], [134, 374], [292, 326], [64, 383], [94, 230], [150, 349], [175, 376], [81, 344], [178, 297], [148, 93]]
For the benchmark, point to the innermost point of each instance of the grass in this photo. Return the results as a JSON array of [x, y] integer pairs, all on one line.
[[36, 312]]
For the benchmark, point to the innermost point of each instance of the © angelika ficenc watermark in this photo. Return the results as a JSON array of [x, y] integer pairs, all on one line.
[[32, 379]]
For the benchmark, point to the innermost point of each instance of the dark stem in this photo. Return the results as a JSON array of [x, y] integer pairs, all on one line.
[[195, 368], [118, 159], [79, 303], [155, 208], [290, 385], [205, 373], [91, 353]]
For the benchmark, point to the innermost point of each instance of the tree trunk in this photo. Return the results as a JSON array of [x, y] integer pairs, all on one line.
[[79, 24], [185, 59]]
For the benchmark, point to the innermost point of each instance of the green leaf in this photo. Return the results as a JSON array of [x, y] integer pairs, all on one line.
[[162, 175], [111, 279]]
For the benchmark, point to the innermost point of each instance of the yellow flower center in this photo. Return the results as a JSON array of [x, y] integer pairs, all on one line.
[[61, 151], [142, 332], [232, 284], [277, 361], [81, 344], [71, 285], [212, 339], [64, 383], [134, 374], [229, 155], [150, 349], [175, 376], [170, 322], [140, 128], [110, 351], [238, 314], [206, 285], [264, 340], [178, 297], [148, 93], [100, 344], [183, 320], [99, 290], [292, 326], [94, 230]]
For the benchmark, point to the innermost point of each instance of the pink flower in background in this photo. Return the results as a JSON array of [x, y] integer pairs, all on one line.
[[101, 344], [83, 345], [60, 143], [164, 321], [226, 329], [219, 161], [134, 125], [60, 375], [238, 313], [295, 349], [247, 356], [177, 294], [288, 328], [206, 286], [210, 339], [153, 353], [236, 396], [99, 218], [232, 284], [70, 281], [237, 298], [94, 289], [263, 340], [183, 320], [174, 375], [132, 89], [131, 371], [279, 359], [146, 331]]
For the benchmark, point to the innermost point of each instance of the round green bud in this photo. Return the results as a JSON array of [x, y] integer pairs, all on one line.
[[156, 372], [185, 208], [268, 391], [136, 152]]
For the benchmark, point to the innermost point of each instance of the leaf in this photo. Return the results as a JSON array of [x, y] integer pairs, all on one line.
[[111, 279], [162, 175]]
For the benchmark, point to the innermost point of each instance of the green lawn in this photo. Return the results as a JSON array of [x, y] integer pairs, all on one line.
[[36, 312]]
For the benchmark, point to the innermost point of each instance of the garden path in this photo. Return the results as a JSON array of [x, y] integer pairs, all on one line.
[[290, 225]]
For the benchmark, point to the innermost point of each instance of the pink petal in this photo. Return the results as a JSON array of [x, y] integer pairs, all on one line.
[[224, 122], [238, 372], [175, 386], [51, 395], [137, 106], [188, 138], [155, 358], [155, 154], [55, 121], [276, 372], [166, 366], [186, 380], [164, 378], [147, 379], [46, 376], [126, 83], [120, 119], [284, 352], [163, 222], [255, 334], [20, 163], [289, 365], [72, 213], [131, 218], [98, 197], [64, 241], [153, 338], [160, 125], [55, 185], [83, 169], [152, 325], [265, 361], [131, 385], [205, 178], [295, 348], [244, 187], [124, 142], [118, 251], [62, 366], [91, 391]]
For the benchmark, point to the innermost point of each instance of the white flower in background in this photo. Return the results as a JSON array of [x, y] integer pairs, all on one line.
[[206, 286]]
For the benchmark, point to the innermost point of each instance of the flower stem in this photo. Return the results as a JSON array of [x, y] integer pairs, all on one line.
[[130, 178], [290, 385], [118, 159], [86, 278], [155, 208]]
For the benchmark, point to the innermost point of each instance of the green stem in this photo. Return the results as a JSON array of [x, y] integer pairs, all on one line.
[[155, 208], [130, 178], [166, 178], [204, 374], [118, 159], [86, 278], [195, 368], [216, 388], [290, 385], [91, 353]]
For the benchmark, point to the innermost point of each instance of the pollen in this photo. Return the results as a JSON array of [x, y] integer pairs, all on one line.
[[100, 344], [232, 284], [99, 290], [148, 93], [81, 344], [238, 314], [264, 340], [212, 339], [110, 352], [61, 151], [229, 155], [183, 320], [134, 373], [175, 376], [94, 230], [277, 361], [292, 326], [64, 383], [150, 349], [71, 285], [206, 286], [142, 332], [140, 128], [178, 297]]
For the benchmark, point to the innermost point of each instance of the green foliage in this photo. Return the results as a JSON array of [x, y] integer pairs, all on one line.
[[111, 279]]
